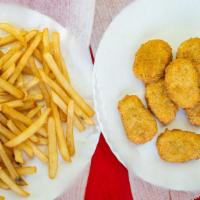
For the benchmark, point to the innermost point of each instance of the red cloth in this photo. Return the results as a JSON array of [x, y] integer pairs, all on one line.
[[108, 178]]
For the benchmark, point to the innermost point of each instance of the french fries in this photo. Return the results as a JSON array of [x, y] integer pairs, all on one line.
[[11, 184], [67, 87], [33, 128], [14, 91], [39, 107], [13, 31]]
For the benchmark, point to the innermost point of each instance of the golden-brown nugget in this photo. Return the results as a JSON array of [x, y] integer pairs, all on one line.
[[193, 114], [181, 81], [139, 124], [151, 59], [190, 49], [159, 102], [178, 146]]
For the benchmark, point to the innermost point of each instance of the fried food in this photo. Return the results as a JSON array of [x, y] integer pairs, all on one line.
[[178, 146], [193, 114], [190, 49], [181, 81], [151, 59], [159, 102], [139, 124]]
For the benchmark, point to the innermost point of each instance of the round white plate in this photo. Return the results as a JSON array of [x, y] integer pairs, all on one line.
[[80, 68], [173, 21]]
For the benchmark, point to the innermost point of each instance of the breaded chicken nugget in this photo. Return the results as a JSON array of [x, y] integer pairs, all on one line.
[[178, 146], [151, 59], [139, 124], [159, 102], [193, 114], [181, 82], [190, 49]]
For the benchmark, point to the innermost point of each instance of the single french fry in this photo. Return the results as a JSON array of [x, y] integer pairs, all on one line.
[[42, 86], [14, 91], [26, 170], [14, 103], [14, 114], [12, 60], [22, 62], [52, 148], [33, 128], [18, 155], [13, 31], [60, 135], [61, 104], [45, 40], [35, 97], [57, 55], [7, 73], [11, 184], [69, 131], [66, 86], [31, 114]]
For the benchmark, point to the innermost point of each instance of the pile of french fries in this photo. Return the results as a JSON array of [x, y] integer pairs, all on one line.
[[38, 105]]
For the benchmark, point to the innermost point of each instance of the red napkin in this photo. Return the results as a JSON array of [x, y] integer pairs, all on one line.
[[108, 178]]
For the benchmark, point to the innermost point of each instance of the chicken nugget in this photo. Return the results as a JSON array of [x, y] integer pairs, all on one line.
[[151, 59], [159, 102], [181, 82], [193, 114], [178, 145], [138, 122], [190, 49]]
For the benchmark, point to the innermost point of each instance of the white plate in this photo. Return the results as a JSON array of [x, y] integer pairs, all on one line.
[[173, 21], [40, 186]]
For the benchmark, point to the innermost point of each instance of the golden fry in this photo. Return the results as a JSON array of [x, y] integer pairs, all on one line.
[[52, 148], [26, 170], [31, 114], [57, 55], [70, 134], [60, 135], [18, 155]]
